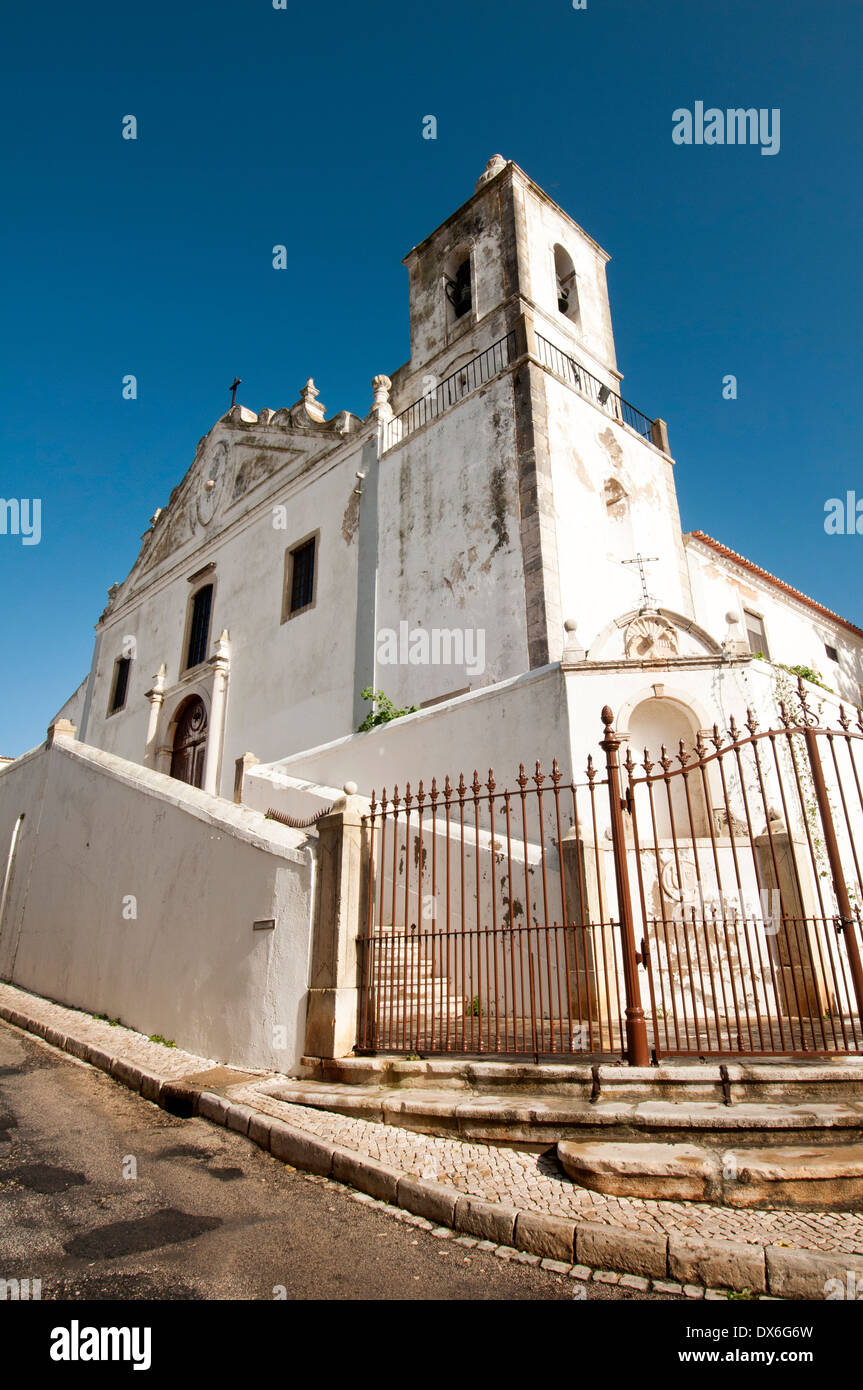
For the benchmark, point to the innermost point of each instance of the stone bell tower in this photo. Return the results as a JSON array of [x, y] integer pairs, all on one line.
[[515, 482], [507, 251]]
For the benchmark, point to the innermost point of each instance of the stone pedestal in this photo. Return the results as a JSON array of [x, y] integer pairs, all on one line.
[[590, 948], [794, 951], [334, 979]]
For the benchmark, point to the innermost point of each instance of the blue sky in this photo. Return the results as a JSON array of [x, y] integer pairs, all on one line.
[[303, 126]]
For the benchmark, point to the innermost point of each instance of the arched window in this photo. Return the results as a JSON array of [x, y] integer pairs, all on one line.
[[567, 291], [457, 284]]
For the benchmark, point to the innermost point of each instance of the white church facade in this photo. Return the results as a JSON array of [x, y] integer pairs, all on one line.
[[496, 546], [490, 500]]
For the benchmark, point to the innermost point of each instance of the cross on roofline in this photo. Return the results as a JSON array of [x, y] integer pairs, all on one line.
[[647, 599], [238, 381]]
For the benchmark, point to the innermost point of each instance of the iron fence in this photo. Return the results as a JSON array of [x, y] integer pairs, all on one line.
[[590, 386], [706, 903], [454, 388]]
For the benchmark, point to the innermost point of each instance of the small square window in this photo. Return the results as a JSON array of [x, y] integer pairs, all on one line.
[[300, 578], [831, 652], [121, 684], [756, 633]]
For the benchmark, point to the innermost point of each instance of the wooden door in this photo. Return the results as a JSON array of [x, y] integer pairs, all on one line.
[[190, 744]]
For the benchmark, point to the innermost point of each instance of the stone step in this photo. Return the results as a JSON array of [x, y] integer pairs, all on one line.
[[527, 1117], [394, 989], [580, 1078], [814, 1176]]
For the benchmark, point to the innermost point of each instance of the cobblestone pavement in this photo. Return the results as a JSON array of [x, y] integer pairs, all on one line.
[[534, 1183], [515, 1178]]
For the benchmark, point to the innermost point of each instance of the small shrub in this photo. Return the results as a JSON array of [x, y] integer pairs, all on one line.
[[382, 711]]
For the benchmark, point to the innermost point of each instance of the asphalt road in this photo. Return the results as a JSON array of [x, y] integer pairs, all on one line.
[[105, 1196]]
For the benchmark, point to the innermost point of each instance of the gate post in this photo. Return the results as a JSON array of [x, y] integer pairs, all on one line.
[[636, 1030], [831, 844], [331, 1015]]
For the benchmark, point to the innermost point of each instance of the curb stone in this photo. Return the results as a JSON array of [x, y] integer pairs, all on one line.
[[615, 1253], [720, 1264]]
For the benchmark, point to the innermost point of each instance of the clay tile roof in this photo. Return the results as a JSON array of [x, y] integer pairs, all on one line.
[[772, 579]]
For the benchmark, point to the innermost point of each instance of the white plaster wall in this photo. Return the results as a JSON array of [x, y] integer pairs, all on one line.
[[587, 448], [449, 546], [479, 228], [546, 226], [74, 706], [520, 720], [712, 694], [796, 634], [189, 967], [290, 684]]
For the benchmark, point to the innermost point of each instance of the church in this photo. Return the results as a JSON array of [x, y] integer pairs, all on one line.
[[500, 490], [496, 549]]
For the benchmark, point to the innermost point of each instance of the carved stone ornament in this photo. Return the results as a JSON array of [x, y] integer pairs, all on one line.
[[678, 878], [210, 487], [650, 638]]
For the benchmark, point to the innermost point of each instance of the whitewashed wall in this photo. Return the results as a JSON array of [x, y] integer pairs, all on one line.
[[450, 550], [517, 721], [189, 966], [587, 448], [290, 683], [796, 633]]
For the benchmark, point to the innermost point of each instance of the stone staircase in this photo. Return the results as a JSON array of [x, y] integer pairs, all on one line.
[[407, 999], [742, 1134]]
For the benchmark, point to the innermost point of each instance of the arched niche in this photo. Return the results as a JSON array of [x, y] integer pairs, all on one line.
[[565, 284], [458, 285], [680, 806]]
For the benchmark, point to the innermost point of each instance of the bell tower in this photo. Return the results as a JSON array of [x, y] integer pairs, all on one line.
[[515, 481], [507, 251]]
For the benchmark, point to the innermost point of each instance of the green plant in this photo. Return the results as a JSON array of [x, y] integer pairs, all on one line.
[[412, 1057], [473, 1009], [382, 710], [807, 673], [742, 1295], [157, 1037]]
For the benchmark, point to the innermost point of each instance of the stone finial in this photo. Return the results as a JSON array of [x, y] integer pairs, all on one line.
[[309, 396], [491, 170], [381, 408], [350, 789], [381, 386], [572, 648], [734, 644]]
